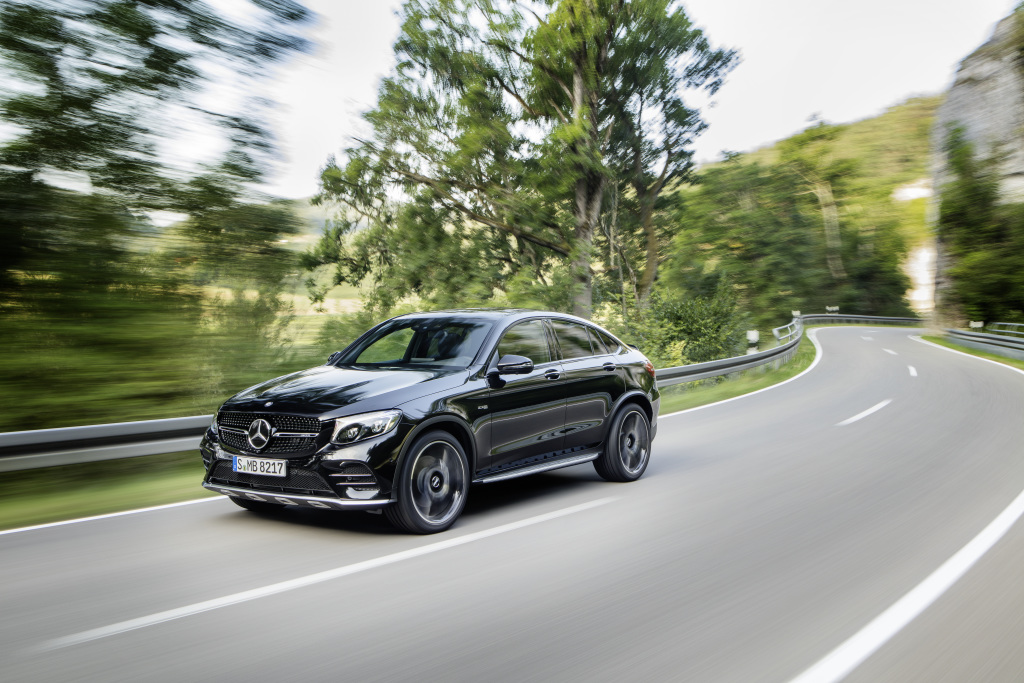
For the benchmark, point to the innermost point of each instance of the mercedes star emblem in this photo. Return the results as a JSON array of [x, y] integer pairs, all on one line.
[[259, 433]]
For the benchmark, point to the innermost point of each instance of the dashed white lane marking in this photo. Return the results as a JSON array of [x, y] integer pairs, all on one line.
[[913, 370], [836, 665], [867, 338], [860, 416], [112, 514], [303, 581], [891, 352]]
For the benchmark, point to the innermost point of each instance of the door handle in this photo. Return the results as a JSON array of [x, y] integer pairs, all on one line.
[[609, 366], [552, 374]]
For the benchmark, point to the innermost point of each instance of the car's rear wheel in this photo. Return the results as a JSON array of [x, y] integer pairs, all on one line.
[[431, 486], [255, 505], [628, 449]]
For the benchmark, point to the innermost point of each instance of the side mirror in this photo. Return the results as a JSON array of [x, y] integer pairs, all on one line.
[[514, 365], [333, 357]]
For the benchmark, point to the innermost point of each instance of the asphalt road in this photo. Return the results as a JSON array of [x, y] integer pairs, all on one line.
[[767, 532]]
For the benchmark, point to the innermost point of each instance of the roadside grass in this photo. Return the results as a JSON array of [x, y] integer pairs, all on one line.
[[54, 494], [694, 394], [941, 341]]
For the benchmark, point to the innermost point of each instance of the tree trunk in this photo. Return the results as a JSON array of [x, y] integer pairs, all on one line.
[[589, 192], [650, 273], [833, 240]]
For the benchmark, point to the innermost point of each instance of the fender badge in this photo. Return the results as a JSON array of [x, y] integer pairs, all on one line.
[[268, 404]]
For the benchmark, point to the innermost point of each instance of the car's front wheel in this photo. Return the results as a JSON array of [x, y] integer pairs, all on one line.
[[431, 486], [628, 448]]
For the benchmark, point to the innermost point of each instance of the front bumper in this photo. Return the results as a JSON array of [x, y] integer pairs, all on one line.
[[322, 503], [346, 477]]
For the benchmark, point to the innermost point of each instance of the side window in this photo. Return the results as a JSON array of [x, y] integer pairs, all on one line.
[[595, 341], [527, 339], [613, 345], [572, 339]]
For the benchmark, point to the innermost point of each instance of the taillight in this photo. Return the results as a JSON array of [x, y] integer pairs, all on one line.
[[649, 368]]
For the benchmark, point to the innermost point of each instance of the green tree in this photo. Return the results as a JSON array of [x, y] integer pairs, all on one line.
[[101, 317], [984, 237], [499, 138]]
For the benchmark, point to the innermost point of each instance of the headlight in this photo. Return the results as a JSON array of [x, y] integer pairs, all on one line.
[[358, 427], [213, 425]]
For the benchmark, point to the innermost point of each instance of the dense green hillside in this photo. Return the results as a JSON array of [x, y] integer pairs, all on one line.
[[811, 221]]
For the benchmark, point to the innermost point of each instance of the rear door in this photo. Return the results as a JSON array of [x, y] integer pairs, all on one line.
[[592, 383], [527, 411]]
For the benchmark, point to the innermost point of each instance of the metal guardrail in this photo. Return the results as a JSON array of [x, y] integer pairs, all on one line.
[[838, 319], [787, 332], [1015, 329], [1010, 347], [95, 443], [727, 366]]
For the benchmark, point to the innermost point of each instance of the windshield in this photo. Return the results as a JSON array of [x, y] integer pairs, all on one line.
[[420, 343]]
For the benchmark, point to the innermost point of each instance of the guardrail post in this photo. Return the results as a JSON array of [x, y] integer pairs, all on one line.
[[753, 336]]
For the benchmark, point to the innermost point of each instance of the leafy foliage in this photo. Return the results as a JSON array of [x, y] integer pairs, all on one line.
[[984, 237], [103, 314], [498, 141]]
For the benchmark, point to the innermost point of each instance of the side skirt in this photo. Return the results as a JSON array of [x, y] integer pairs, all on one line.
[[524, 470]]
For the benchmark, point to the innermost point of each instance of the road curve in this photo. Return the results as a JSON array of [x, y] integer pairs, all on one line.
[[766, 533]]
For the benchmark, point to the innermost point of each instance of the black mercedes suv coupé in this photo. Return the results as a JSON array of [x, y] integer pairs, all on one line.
[[422, 405]]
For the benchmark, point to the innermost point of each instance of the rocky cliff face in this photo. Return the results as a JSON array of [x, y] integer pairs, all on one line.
[[987, 102]]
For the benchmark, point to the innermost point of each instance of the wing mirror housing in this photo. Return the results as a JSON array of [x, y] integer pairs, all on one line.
[[514, 365]]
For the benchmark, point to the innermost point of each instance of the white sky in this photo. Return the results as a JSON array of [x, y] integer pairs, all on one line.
[[841, 60]]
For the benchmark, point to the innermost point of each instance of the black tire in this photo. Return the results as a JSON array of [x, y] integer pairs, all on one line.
[[628, 447], [431, 486], [255, 505]]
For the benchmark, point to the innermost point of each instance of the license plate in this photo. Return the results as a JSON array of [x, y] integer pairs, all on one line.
[[264, 466]]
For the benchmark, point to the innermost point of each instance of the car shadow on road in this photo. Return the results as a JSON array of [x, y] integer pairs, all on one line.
[[483, 499]]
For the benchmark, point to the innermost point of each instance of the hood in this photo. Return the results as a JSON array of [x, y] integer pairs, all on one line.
[[327, 388]]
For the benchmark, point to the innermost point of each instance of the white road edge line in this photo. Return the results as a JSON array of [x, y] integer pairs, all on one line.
[[913, 370], [917, 338], [891, 352], [303, 581], [811, 334], [838, 664], [859, 416], [112, 514]]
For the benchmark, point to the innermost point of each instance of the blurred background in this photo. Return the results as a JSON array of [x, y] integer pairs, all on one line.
[[150, 267]]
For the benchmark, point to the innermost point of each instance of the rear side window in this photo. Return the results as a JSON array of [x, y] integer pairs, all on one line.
[[609, 341], [595, 341], [527, 339], [572, 339]]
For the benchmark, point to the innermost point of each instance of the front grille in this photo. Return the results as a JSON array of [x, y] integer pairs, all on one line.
[[280, 423], [289, 444], [234, 440], [298, 481]]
